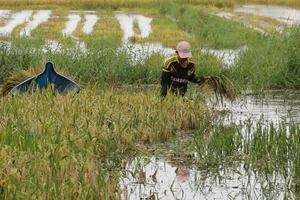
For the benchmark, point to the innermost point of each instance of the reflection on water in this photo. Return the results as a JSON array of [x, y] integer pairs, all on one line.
[[188, 183], [284, 15], [275, 106], [16, 19], [227, 56], [38, 18], [173, 170]]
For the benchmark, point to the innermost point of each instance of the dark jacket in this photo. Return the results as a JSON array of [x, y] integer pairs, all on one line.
[[176, 78]]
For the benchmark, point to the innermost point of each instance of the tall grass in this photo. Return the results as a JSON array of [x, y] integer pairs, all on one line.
[[104, 62], [209, 30], [268, 152], [70, 146], [102, 66], [270, 62]]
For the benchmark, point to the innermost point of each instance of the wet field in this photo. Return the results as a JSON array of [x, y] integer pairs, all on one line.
[[12, 19], [168, 171]]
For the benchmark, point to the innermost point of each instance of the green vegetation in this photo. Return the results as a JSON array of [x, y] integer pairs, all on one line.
[[104, 62], [270, 62], [267, 151], [55, 147], [117, 4]]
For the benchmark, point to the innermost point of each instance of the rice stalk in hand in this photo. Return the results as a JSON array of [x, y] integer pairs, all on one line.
[[222, 87]]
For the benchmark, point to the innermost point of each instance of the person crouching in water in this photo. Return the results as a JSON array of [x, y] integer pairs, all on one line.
[[178, 70]]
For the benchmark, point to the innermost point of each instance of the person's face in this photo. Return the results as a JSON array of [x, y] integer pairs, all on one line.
[[181, 60]]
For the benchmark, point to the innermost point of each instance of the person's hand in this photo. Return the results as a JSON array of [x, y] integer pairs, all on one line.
[[164, 90], [201, 80]]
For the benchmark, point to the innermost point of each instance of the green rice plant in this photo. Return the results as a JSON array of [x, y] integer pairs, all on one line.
[[208, 29], [293, 63], [106, 63], [265, 64], [52, 28], [69, 146], [267, 151]]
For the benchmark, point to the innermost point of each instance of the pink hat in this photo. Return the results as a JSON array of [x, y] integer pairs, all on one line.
[[184, 49]]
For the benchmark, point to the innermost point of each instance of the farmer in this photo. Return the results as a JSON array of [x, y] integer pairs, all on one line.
[[178, 70]]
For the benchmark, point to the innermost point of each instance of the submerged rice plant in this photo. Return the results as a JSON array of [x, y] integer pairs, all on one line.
[[268, 153]]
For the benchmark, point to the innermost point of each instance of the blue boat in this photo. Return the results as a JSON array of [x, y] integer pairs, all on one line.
[[59, 83]]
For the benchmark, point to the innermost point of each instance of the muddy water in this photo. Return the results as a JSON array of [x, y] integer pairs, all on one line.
[[189, 183], [286, 15], [165, 174], [12, 19], [271, 106]]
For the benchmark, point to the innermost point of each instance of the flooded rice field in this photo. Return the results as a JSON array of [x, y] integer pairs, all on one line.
[[271, 106], [12, 19], [168, 170]]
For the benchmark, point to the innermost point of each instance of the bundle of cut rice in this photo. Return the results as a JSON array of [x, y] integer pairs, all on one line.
[[222, 87], [17, 77]]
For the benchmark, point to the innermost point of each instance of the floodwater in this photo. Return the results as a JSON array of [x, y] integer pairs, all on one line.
[[12, 19], [163, 179], [159, 177], [40, 17], [271, 106], [286, 15]]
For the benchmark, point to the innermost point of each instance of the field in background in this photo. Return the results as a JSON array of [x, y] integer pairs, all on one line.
[[117, 4], [91, 54], [79, 147]]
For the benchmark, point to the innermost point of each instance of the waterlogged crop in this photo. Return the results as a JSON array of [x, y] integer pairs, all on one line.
[[75, 146], [70, 146]]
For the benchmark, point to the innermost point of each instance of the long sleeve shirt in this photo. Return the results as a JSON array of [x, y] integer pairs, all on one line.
[[176, 77]]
